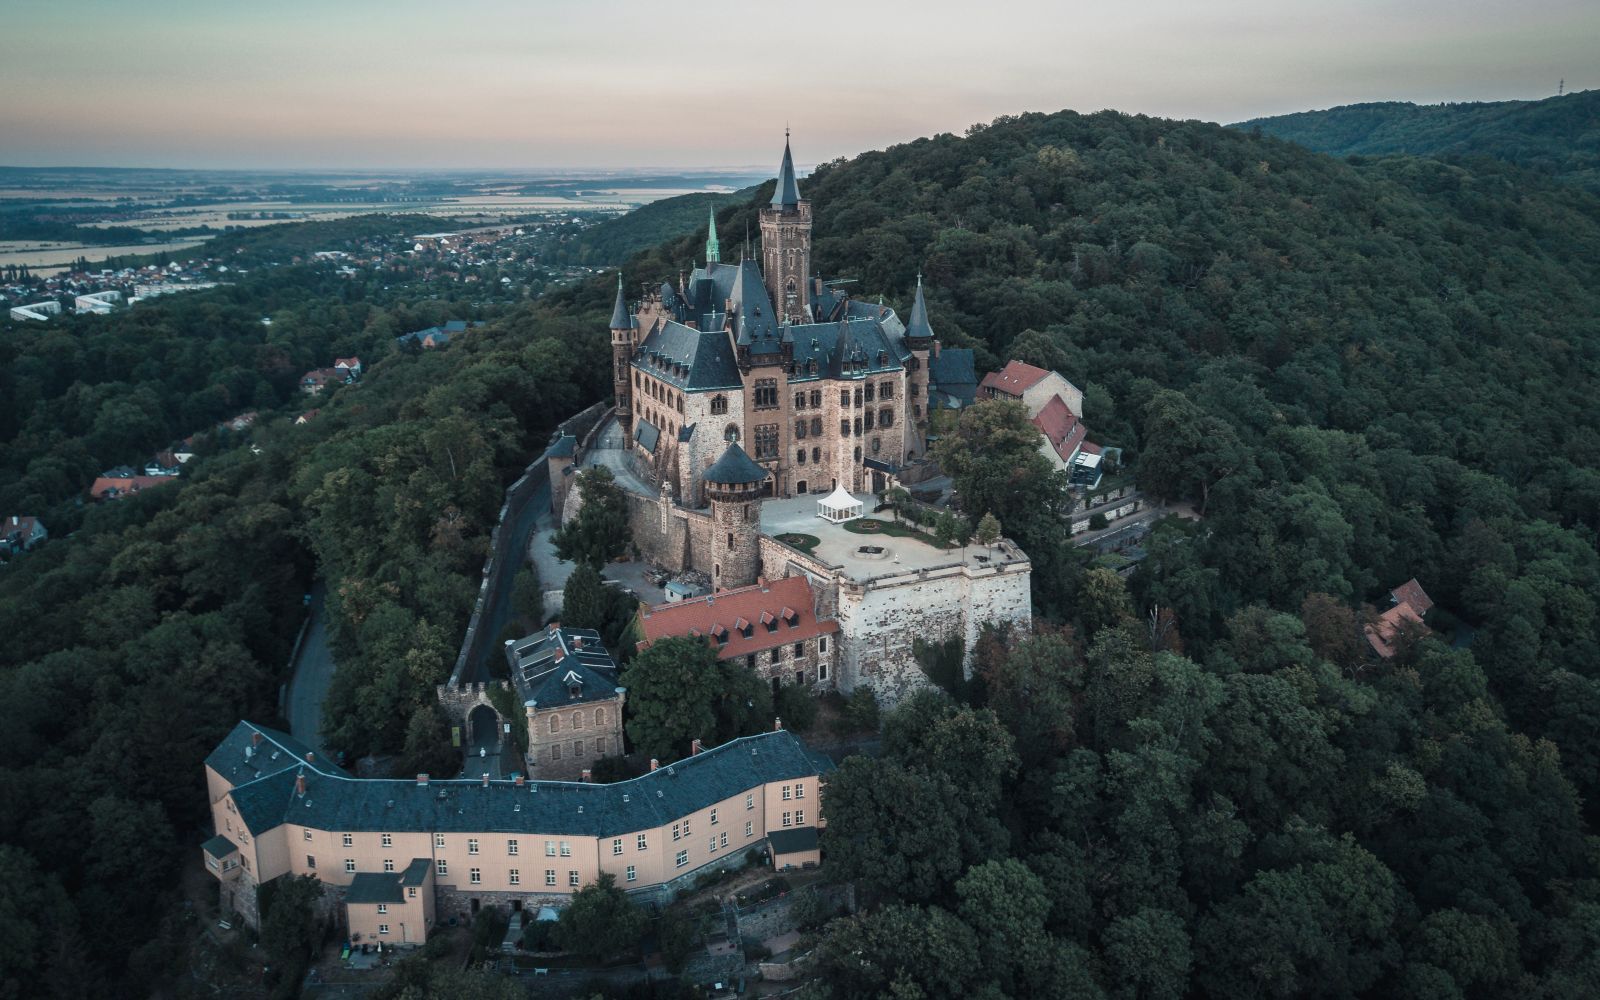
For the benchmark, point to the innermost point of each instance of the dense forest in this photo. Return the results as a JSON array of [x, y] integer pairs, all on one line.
[[1191, 784], [615, 240], [1558, 136]]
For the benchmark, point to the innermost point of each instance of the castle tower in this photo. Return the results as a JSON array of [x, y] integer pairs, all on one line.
[[713, 250], [919, 339], [786, 245], [734, 484], [621, 357]]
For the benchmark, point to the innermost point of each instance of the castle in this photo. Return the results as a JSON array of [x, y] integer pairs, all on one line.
[[819, 389]]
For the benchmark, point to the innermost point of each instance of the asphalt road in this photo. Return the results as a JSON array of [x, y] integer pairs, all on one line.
[[497, 604], [313, 673]]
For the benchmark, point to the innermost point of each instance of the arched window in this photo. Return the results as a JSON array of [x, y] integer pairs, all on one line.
[[577, 720], [599, 716], [555, 724], [730, 434], [719, 404]]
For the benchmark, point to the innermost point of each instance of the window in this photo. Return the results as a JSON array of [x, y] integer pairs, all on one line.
[[685, 828], [800, 456], [844, 428], [877, 445], [786, 793], [514, 876], [555, 751], [549, 876], [816, 453], [816, 394], [441, 867], [844, 397], [616, 846], [388, 864], [383, 928], [711, 844], [868, 394], [577, 720], [799, 650], [867, 422], [749, 828], [600, 719], [822, 644], [886, 417], [438, 840], [472, 845], [388, 840], [349, 841], [555, 724], [566, 849], [750, 801], [713, 817], [572, 878], [633, 873], [722, 839], [511, 846], [788, 819], [800, 678], [383, 907], [799, 817], [816, 426], [350, 865], [886, 391], [800, 428], [822, 671], [311, 861], [549, 848], [677, 832], [681, 860], [475, 875], [766, 441], [800, 791], [766, 393], [643, 844], [858, 398], [411, 892], [306, 833], [577, 748], [799, 400], [719, 405]]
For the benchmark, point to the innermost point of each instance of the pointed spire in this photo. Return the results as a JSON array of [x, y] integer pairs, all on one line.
[[713, 251], [787, 193], [918, 326], [619, 312]]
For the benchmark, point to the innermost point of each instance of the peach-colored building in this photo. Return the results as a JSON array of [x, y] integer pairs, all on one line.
[[398, 855]]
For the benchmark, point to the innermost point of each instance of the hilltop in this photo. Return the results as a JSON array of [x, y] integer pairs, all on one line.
[[1558, 136]]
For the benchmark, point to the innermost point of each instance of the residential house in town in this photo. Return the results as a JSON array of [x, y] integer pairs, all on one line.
[[21, 532], [771, 627], [398, 856], [349, 369], [313, 382]]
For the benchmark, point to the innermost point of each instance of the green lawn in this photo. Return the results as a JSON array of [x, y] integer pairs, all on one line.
[[799, 540], [865, 526]]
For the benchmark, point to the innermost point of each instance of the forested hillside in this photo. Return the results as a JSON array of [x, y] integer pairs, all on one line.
[[615, 240], [1558, 136], [1362, 372]]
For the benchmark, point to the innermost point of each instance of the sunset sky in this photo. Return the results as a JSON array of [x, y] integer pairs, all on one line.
[[354, 83]]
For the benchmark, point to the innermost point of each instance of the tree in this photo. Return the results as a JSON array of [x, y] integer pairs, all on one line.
[[1149, 955], [987, 532], [889, 828], [898, 498], [527, 597], [1103, 601], [600, 921], [289, 930], [599, 533], [585, 600], [673, 688], [676, 937], [900, 951], [796, 707], [1008, 904]]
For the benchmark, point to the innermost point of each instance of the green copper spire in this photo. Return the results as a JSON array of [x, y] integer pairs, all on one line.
[[713, 251]]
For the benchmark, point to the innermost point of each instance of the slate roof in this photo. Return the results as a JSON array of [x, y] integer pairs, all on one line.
[[793, 840], [773, 613], [219, 847], [240, 758], [953, 373], [547, 666], [850, 348], [787, 192], [755, 323], [620, 319], [386, 887], [918, 325], [340, 802], [564, 446], [693, 360], [734, 468], [647, 434]]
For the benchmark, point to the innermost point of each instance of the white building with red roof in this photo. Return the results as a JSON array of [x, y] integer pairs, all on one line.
[[1032, 387]]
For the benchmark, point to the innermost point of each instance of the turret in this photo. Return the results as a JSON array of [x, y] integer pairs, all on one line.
[[734, 484], [919, 339], [621, 361], [713, 251], [786, 245]]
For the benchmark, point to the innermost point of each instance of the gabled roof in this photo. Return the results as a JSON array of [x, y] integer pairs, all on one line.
[[782, 611], [547, 666], [787, 192], [1015, 378], [693, 360], [1411, 593], [386, 887], [953, 373], [734, 468], [1383, 634], [754, 324], [340, 802], [1064, 431], [250, 752]]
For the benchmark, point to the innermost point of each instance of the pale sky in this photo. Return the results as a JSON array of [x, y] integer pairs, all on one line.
[[624, 83]]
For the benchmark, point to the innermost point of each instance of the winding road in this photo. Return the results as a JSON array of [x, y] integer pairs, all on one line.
[[310, 678]]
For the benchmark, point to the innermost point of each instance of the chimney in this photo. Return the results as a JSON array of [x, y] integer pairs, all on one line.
[[777, 723], [255, 739], [422, 779], [311, 758], [695, 748], [586, 776], [577, 642], [486, 779], [521, 781], [654, 764], [300, 785]]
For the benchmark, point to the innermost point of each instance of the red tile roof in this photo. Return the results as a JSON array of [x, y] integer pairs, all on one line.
[[347, 363], [1014, 379], [785, 604], [1064, 431], [1382, 635], [1411, 593], [115, 487]]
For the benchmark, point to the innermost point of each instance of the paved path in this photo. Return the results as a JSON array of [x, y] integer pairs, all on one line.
[[311, 678], [497, 604], [608, 451]]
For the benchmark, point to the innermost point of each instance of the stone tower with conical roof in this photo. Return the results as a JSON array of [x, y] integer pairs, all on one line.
[[621, 356], [923, 346], [735, 484], [786, 245]]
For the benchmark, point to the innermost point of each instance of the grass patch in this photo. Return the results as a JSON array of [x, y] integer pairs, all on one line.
[[798, 540], [873, 526]]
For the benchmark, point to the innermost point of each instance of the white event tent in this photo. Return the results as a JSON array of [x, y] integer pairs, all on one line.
[[838, 506]]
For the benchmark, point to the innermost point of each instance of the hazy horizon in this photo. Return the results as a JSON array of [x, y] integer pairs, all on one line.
[[614, 85]]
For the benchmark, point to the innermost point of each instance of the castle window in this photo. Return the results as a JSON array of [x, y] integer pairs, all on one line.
[[719, 405], [816, 454], [799, 400], [555, 724], [730, 433], [867, 420], [799, 428], [858, 453], [858, 397], [883, 359], [600, 716], [844, 397], [811, 369], [886, 391], [822, 644], [844, 428], [858, 429], [730, 540], [885, 417], [577, 720], [766, 393], [868, 389], [877, 445], [800, 456], [816, 426], [767, 441]]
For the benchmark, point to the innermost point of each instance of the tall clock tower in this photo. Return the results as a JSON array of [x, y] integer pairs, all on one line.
[[786, 245]]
